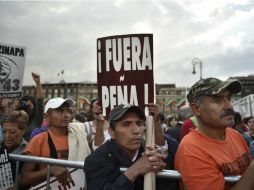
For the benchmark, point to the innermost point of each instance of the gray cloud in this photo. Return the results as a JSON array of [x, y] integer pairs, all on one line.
[[62, 36]]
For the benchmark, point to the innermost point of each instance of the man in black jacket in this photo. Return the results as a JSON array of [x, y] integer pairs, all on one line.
[[102, 167]]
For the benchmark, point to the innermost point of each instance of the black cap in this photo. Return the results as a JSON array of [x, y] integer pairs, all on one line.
[[119, 111]]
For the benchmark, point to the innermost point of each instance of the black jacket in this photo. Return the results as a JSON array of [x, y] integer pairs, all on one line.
[[102, 170]]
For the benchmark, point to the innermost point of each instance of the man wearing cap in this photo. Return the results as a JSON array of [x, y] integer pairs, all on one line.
[[213, 150], [56, 143], [127, 125]]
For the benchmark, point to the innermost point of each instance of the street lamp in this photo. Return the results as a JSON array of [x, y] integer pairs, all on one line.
[[195, 62]]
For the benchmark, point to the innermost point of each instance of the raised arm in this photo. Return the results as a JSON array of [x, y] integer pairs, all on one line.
[[39, 98], [38, 87]]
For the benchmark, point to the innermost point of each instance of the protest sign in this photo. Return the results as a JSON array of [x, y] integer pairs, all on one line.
[[125, 70], [6, 180], [12, 65]]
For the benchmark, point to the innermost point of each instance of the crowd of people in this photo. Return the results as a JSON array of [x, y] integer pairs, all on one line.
[[206, 141]]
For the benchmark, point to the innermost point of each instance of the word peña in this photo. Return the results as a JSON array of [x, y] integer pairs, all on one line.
[[116, 95]]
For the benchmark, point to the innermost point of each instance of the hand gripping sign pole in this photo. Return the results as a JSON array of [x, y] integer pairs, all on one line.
[[149, 178]]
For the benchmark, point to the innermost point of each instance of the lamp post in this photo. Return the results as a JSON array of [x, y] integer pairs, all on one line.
[[194, 62]]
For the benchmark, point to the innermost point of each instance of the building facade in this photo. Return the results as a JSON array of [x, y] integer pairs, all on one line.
[[83, 93], [247, 85], [168, 96]]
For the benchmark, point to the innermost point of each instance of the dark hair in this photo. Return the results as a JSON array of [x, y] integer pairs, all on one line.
[[27, 98], [239, 123], [91, 105], [80, 117], [237, 119], [162, 117], [246, 119], [19, 117], [31, 113], [170, 118]]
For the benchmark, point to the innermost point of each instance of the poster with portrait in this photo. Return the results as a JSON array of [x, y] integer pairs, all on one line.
[[125, 70], [12, 65]]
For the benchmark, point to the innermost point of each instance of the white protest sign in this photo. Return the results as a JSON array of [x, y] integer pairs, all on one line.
[[6, 180], [12, 65], [125, 70]]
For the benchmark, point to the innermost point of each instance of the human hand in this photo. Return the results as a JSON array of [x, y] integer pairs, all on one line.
[[96, 109], [154, 111], [62, 175], [151, 161], [36, 77]]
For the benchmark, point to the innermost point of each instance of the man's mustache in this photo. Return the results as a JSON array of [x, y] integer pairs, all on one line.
[[227, 113]]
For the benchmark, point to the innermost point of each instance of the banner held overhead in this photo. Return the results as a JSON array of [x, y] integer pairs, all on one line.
[[12, 65], [125, 70]]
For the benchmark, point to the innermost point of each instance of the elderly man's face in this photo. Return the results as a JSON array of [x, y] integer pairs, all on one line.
[[5, 70], [128, 133], [216, 111]]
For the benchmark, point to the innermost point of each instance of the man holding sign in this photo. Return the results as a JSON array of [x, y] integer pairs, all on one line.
[[127, 125]]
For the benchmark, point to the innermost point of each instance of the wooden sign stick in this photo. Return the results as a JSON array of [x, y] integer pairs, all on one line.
[[149, 178]]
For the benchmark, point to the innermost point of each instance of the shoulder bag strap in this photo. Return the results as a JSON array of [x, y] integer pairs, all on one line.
[[52, 148]]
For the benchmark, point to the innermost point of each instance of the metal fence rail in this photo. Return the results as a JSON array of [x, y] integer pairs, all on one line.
[[169, 174]]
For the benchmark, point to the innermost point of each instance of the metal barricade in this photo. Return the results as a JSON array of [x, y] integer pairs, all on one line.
[[169, 174]]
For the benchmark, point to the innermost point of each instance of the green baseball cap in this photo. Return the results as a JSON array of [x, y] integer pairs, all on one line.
[[212, 86]]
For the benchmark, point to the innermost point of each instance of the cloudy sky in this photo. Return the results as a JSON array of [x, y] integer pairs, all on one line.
[[61, 35]]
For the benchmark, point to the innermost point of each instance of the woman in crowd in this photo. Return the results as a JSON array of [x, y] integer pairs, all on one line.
[[14, 125], [249, 122], [171, 122], [241, 127]]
